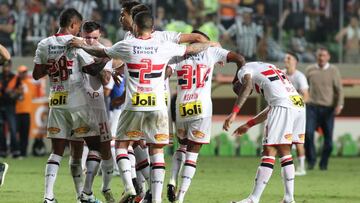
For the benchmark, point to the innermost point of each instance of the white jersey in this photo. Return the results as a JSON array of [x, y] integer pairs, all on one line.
[[272, 83], [298, 80], [145, 63], [95, 89], [66, 76], [160, 35], [194, 75]]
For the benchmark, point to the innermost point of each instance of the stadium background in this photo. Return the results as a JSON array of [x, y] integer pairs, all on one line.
[[36, 19]]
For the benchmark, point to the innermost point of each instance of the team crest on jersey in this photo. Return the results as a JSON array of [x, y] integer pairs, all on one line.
[[190, 109], [82, 130], [297, 100], [134, 134], [288, 137], [161, 137], [53, 130], [58, 99], [198, 134], [143, 99]]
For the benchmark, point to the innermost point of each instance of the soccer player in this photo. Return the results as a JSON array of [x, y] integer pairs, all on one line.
[[285, 122], [194, 109], [145, 113], [95, 96], [300, 83], [69, 113]]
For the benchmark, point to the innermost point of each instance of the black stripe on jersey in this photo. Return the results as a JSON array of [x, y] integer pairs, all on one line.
[[193, 81], [267, 165], [182, 82], [150, 75], [273, 78]]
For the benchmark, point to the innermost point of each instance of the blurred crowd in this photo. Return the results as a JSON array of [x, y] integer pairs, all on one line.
[[258, 29]]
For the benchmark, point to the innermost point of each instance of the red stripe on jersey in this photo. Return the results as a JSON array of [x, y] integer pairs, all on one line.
[[158, 164], [135, 66], [69, 63], [286, 160], [158, 67], [268, 72], [267, 160], [190, 162], [180, 73]]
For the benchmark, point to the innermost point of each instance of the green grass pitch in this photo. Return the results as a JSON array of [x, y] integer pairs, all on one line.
[[217, 179]]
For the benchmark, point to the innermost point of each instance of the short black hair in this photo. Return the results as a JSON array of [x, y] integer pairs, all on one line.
[[128, 5], [137, 9], [67, 15], [90, 26], [293, 54], [201, 33], [144, 20]]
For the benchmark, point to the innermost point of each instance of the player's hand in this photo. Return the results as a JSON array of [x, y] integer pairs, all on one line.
[[76, 42], [229, 120], [241, 130], [338, 110], [115, 75], [215, 44]]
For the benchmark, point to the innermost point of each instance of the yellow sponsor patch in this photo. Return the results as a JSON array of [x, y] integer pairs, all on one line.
[[297, 100], [190, 109], [53, 130], [58, 98], [161, 137], [288, 137], [134, 134], [82, 130], [143, 99], [198, 134]]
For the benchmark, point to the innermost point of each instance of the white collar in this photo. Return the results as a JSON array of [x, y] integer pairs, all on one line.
[[327, 65]]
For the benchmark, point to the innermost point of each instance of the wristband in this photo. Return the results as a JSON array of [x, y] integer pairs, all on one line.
[[236, 109], [251, 122]]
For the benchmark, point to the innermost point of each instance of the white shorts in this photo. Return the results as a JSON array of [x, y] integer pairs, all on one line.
[[284, 126], [149, 125], [114, 119], [101, 118], [65, 123], [198, 131]]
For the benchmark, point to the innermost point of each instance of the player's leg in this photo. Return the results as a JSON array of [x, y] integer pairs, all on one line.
[[300, 150], [287, 172], [157, 175], [142, 165], [76, 170], [298, 140], [107, 168], [327, 125], [132, 158]]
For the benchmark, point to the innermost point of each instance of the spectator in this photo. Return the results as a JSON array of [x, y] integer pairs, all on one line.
[[85, 7], [54, 10], [247, 35], [160, 20], [293, 15], [37, 24], [22, 84], [7, 26], [210, 28], [269, 49], [319, 13], [300, 46], [111, 11], [7, 113], [228, 12], [352, 40], [326, 99], [20, 17]]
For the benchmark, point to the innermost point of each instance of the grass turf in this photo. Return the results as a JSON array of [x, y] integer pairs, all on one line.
[[217, 179]]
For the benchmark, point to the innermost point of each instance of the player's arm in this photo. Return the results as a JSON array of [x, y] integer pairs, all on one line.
[[192, 38], [40, 71], [104, 77], [199, 47], [235, 58], [244, 92], [95, 68], [305, 94], [261, 117], [4, 54], [92, 50]]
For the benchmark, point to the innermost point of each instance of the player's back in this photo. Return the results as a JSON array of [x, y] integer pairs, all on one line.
[[272, 83], [65, 74], [145, 62]]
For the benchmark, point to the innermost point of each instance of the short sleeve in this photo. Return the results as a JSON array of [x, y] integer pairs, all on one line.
[[118, 51], [40, 54], [218, 54], [303, 84], [108, 66], [170, 36], [242, 72], [84, 58], [176, 49]]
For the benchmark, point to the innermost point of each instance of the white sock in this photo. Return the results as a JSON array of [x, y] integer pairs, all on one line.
[[301, 163], [187, 174], [157, 176], [178, 160], [84, 156], [92, 167], [262, 177], [107, 168], [51, 169], [77, 174], [132, 161], [142, 163], [113, 153], [288, 175], [124, 164]]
